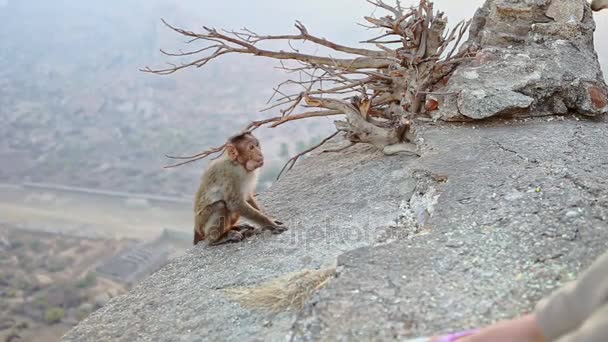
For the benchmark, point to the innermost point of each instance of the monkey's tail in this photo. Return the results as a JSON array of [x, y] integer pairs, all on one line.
[[201, 218], [199, 234]]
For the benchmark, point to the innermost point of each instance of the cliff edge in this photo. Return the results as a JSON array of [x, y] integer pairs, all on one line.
[[494, 215], [491, 218]]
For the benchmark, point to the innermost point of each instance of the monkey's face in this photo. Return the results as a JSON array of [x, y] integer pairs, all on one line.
[[254, 156], [246, 150]]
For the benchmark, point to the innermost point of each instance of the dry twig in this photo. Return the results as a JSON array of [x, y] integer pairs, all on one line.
[[287, 293], [291, 162], [380, 90]]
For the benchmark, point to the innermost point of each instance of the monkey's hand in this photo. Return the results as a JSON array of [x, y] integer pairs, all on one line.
[[276, 229]]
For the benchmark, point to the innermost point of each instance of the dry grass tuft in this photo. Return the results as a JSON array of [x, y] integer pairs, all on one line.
[[285, 293]]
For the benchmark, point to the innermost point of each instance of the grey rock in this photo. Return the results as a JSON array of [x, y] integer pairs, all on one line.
[[483, 259], [572, 214], [496, 241], [534, 58], [331, 203], [479, 228], [4, 243], [7, 323], [480, 103], [566, 11], [87, 307], [102, 299]]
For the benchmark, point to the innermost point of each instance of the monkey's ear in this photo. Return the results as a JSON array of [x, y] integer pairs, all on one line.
[[232, 152]]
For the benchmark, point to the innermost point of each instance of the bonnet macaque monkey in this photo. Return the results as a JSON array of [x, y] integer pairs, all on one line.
[[598, 5], [226, 193]]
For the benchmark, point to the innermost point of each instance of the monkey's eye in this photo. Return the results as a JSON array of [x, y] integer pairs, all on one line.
[[251, 147]]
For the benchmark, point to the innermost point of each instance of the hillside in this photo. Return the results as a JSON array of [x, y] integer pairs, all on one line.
[[48, 282], [498, 210], [76, 110], [528, 217]]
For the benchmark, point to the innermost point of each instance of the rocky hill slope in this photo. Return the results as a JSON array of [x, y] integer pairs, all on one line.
[[494, 215], [522, 211], [76, 110]]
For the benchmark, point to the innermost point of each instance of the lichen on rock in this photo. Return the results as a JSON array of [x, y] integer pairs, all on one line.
[[535, 58]]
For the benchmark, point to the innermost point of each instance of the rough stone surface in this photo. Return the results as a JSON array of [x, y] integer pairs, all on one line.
[[489, 219], [332, 204], [525, 207], [481, 104], [535, 58], [566, 11]]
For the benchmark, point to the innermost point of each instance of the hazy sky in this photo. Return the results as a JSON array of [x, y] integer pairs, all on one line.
[[333, 19]]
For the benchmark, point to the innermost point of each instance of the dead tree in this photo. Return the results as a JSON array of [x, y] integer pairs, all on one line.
[[379, 90]]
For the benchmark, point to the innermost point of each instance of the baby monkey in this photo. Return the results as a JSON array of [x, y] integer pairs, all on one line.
[[598, 5], [226, 193]]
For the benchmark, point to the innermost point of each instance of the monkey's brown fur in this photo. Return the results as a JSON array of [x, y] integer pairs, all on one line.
[[226, 193], [598, 5]]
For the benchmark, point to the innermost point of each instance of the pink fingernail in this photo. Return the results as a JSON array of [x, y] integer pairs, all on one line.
[[455, 336]]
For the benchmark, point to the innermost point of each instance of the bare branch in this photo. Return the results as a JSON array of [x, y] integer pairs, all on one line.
[[300, 116], [379, 3], [380, 90], [305, 36], [196, 157], [244, 47], [340, 149], [291, 162], [363, 130], [461, 33]]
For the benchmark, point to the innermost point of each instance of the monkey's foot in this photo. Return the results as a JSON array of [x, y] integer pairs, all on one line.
[[246, 230], [232, 237], [243, 227]]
